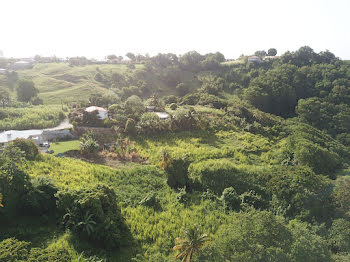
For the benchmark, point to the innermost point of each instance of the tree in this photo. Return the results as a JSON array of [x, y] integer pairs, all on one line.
[[191, 244], [26, 90], [134, 106], [111, 57], [14, 182], [231, 199], [272, 52], [131, 56], [4, 97], [92, 213], [339, 235], [260, 53], [130, 127], [88, 144], [182, 89], [28, 146], [87, 224]]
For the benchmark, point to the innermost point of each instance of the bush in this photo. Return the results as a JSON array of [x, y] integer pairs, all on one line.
[[14, 182], [30, 149], [182, 197], [36, 101], [339, 236], [321, 160], [88, 144], [217, 175], [13, 250], [212, 100], [49, 255], [150, 200], [177, 172], [130, 127], [98, 77], [41, 198], [251, 198], [231, 199], [173, 106], [170, 99], [92, 213], [190, 99]]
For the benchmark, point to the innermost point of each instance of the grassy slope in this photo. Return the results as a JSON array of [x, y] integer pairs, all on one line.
[[60, 82], [151, 228]]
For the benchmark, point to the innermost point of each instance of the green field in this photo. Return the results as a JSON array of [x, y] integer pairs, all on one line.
[[62, 147]]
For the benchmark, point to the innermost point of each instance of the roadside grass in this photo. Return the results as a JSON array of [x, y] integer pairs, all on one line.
[[63, 147]]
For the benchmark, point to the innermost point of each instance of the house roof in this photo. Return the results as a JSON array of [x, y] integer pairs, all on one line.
[[162, 115], [94, 108], [10, 135], [22, 62]]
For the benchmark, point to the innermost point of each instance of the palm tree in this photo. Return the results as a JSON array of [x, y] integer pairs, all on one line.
[[189, 245], [87, 223]]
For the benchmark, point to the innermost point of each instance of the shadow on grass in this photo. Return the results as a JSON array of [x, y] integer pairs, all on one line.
[[38, 230], [124, 253]]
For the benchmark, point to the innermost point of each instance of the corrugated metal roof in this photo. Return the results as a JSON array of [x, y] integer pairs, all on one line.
[[8, 136]]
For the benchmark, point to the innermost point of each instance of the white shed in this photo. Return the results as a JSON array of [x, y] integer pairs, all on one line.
[[162, 115], [254, 59], [102, 113]]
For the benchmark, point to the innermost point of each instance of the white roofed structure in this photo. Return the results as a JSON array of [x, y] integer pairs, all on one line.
[[162, 115], [11, 135], [102, 113]]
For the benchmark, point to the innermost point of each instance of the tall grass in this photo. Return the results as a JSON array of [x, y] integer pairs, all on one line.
[[35, 117]]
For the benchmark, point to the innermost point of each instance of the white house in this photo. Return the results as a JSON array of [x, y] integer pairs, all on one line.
[[2, 71], [162, 115], [254, 59], [101, 112]]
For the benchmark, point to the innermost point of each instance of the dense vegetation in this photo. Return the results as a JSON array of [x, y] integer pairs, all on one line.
[[32, 117], [252, 163]]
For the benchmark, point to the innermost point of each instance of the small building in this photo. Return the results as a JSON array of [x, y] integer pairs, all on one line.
[[101, 112], [254, 59], [162, 115], [10, 135], [150, 108], [22, 65], [2, 71], [269, 58]]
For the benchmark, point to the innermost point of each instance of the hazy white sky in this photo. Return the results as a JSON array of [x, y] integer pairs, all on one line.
[[96, 28]]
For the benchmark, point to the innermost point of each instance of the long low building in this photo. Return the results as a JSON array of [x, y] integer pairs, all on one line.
[[10, 135], [38, 136]]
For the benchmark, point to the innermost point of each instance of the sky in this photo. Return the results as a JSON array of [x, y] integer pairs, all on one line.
[[97, 28]]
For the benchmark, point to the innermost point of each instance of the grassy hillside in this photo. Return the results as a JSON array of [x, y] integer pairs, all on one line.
[[61, 83]]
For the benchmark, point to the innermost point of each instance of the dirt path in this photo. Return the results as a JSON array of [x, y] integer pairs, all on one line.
[[63, 125]]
